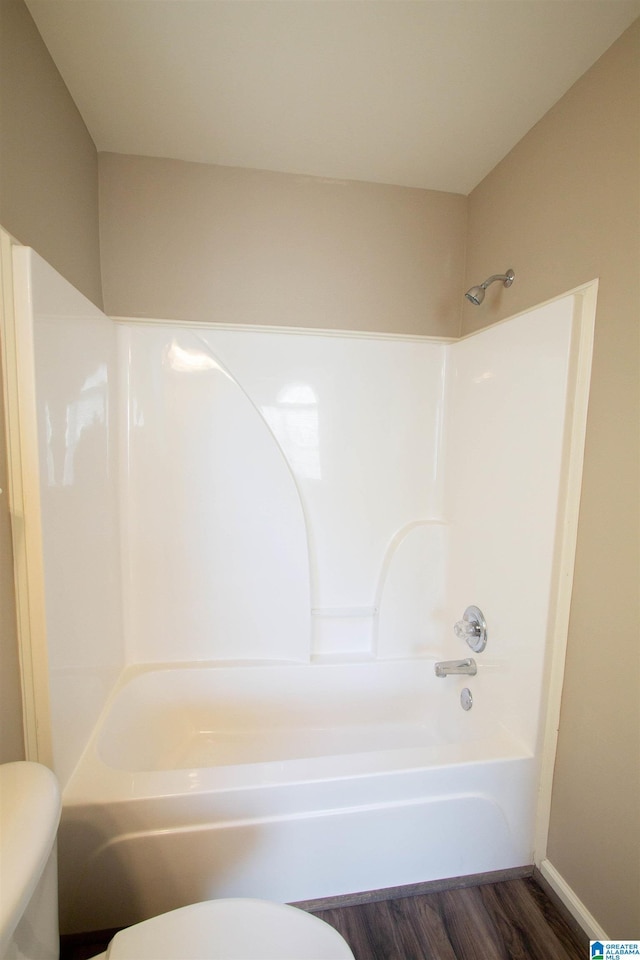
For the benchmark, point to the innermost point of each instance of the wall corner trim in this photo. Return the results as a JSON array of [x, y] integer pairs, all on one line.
[[549, 877]]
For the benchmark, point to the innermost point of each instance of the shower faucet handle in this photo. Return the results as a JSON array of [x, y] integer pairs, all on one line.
[[465, 630], [472, 628]]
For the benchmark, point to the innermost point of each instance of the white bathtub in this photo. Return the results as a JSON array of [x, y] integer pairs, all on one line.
[[289, 782]]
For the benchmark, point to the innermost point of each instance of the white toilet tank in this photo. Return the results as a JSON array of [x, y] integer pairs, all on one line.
[[29, 817]]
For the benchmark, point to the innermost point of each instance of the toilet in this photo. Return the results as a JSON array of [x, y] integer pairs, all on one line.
[[234, 929]]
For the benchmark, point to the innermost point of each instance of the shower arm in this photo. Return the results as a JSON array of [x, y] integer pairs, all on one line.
[[507, 278]]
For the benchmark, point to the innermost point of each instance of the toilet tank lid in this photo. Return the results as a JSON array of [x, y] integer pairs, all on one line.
[[29, 815]]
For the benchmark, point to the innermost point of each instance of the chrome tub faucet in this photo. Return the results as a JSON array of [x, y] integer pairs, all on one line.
[[446, 668]]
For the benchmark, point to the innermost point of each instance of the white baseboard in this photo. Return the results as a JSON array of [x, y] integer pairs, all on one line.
[[572, 902]]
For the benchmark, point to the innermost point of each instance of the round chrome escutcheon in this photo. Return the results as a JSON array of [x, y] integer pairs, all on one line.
[[466, 699]]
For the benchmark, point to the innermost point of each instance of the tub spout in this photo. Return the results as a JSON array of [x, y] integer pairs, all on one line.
[[466, 667]]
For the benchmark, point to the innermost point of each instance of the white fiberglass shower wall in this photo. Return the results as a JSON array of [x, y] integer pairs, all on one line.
[[271, 477], [208, 494]]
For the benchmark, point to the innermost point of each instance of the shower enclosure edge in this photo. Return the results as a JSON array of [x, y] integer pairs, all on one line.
[[565, 552], [24, 499]]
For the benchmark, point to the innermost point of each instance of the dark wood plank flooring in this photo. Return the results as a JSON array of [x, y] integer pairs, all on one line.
[[510, 920]]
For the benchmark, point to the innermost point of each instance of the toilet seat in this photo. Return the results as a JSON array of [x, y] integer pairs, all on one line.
[[236, 929]]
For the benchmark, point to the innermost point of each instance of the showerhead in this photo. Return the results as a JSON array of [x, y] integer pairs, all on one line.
[[476, 294]]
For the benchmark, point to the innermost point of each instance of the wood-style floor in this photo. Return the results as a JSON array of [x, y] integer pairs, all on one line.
[[510, 920]]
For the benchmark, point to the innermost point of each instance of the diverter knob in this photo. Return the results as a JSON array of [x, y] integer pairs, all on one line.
[[472, 628]]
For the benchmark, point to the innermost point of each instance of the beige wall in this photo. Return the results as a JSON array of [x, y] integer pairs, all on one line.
[[198, 242], [562, 208], [48, 200], [48, 162]]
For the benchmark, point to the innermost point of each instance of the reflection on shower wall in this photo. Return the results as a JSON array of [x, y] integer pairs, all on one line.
[[76, 377], [272, 478]]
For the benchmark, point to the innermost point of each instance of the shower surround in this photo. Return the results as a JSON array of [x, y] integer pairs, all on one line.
[[254, 545]]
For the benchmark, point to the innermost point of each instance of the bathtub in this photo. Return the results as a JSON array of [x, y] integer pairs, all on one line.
[[289, 782]]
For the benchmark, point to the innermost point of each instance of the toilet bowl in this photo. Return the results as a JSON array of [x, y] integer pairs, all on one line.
[[235, 929], [230, 930]]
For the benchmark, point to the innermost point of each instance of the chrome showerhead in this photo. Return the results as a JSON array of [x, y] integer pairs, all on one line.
[[476, 294]]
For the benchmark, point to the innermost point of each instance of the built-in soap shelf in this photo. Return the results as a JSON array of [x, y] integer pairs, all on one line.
[[408, 595], [337, 630], [343, 612]]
